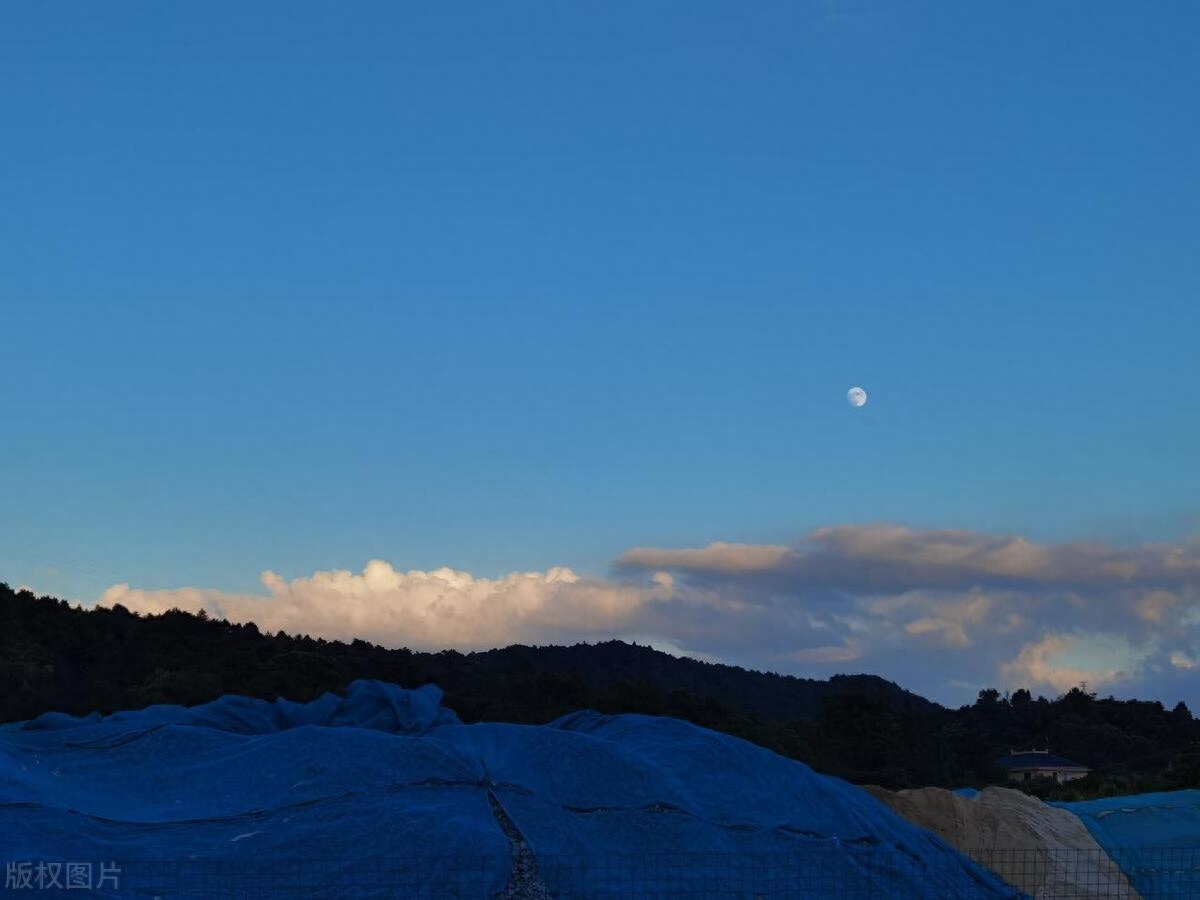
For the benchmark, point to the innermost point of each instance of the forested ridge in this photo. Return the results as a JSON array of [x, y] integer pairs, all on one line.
[[54, 656]]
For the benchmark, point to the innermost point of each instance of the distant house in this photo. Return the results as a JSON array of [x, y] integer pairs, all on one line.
[[1025, 765]]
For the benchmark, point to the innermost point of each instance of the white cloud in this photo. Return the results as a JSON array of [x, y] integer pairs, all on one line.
[[437, 609]]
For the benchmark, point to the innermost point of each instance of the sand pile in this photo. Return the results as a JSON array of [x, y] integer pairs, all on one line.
[[1045, 851]]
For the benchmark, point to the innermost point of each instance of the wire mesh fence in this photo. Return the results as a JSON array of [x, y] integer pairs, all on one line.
[[865, 872]]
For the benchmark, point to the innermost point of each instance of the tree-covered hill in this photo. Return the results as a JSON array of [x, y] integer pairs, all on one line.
[[54, 656], [765, 695]]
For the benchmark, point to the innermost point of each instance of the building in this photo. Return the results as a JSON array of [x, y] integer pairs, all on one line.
[[1025, 765]]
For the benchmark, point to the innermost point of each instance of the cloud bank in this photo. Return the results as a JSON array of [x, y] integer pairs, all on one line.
[[945, 612], [424, 610]]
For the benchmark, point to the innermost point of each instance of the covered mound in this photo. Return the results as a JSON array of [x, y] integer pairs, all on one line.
[[1153, 837], [385, 793], [1046, 852]]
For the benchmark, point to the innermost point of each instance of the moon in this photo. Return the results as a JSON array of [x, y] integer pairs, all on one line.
[[857, 396]]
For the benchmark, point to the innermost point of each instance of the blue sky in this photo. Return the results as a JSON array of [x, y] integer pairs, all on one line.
[[504, 287]]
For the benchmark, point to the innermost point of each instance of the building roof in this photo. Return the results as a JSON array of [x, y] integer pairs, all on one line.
[[1037, 759]]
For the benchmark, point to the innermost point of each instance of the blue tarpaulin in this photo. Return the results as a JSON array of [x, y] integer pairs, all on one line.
[[384, 792], [1152, 837]]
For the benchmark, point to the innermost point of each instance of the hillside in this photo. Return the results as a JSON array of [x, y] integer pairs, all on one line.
[[57, 657], [72, 660], [765, 695]]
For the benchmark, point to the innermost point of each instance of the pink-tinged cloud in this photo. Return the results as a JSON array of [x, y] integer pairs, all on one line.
[[891, 558], [1062, 661], [831, 653], [732, 559]]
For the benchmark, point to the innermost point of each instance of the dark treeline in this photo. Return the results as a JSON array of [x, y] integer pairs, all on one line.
[[57, 657]]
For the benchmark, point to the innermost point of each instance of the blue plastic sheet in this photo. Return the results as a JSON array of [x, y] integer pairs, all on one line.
[[1152, 837], [384, 793]]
